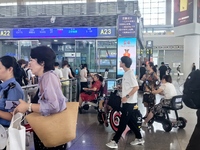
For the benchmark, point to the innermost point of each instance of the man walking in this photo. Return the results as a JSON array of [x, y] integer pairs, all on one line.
[[162, 70], [129, 100]]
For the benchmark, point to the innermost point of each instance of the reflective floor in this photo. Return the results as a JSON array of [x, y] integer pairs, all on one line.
[[93, 136]]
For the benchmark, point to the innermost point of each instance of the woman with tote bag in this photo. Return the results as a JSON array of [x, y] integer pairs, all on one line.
[[50, 99]]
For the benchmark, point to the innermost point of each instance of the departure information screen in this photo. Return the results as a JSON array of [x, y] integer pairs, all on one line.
[[55, 32], [61, 32]]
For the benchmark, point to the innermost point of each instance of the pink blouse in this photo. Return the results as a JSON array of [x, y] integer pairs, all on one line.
[[51, 98]]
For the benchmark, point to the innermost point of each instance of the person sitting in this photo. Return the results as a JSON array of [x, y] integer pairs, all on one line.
[[168, 90], [90, 93]]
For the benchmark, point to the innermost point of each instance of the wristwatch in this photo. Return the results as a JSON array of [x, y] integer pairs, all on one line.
[[127, 96]]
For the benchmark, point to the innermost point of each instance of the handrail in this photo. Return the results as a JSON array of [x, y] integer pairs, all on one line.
[[30, 86]]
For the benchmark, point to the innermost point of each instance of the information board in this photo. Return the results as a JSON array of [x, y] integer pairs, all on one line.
[[127, 26]]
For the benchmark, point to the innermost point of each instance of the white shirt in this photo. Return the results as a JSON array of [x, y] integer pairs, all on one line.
[[29, 75], [66, 71], [105, 75], [59, 73], [169, 90], [128, 83], [83, 75]]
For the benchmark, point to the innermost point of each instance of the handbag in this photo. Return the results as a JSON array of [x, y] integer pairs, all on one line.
[[3, 137], [55, 129], [16, 134]]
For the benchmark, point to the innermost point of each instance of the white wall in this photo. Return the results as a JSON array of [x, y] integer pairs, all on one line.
[[164, 40]]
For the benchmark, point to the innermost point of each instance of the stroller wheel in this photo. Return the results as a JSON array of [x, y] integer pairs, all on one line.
[[182, 122], [167, 125]]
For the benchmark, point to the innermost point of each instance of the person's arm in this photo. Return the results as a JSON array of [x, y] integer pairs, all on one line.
[[158, 91], [132, 92], [143, 77], [5, 115], [24, 107], [85, 74], [70, 73], [50, 103]]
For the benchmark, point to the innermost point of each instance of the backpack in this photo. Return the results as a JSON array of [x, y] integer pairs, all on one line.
[[191, 91], [114, 101]]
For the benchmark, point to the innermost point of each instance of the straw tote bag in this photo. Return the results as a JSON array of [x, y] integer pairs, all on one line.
[[55, 129]]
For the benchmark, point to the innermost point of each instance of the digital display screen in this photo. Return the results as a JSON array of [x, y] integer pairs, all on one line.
[[127, 26], [6, 33], [106, 32], [110, 85], [126, 47], [54, 32], [183, 12]]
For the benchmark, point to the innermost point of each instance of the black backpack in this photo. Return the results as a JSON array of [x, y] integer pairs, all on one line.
[[191, 92], [114, 101]]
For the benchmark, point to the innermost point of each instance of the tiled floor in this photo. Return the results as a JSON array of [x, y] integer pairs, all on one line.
[[92, 136]]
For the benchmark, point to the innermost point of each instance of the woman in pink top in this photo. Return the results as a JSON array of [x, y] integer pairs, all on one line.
[[49, 98]]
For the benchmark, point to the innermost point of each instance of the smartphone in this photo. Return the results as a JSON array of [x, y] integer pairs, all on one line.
[[11, 104]]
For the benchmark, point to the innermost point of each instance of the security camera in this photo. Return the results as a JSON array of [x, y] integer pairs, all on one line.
[[53, 19]]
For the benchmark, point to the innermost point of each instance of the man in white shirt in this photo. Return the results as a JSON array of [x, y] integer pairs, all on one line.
[[58, 71], [129, 101]]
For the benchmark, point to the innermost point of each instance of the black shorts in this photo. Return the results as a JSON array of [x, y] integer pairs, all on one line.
[[149, 98]]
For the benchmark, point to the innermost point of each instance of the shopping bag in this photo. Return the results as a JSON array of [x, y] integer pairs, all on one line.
[[16, 134], [3, 137], [55, 129]]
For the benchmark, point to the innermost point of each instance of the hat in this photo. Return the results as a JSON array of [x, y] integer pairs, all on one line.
[[3, 137]]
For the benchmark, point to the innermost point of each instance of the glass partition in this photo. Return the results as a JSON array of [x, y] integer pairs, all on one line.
[[86, 54]]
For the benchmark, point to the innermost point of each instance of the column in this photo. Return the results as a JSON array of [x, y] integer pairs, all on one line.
[[121, 6], [21, 8], [168, 12], [20, 2], [91, 7], [191, 53], [1, 48]]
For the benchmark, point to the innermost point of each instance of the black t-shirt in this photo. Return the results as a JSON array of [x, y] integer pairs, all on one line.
[[163, 70], [142, 71]]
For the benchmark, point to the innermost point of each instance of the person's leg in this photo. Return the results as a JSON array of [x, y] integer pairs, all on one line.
[[80, 101], [194, 140], [135, 128], [123, 122], [149, 117]]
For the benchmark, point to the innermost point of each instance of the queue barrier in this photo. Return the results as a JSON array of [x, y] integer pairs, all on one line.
[[69, 91]]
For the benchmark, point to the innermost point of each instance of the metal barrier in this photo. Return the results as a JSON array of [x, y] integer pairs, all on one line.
[[69, 89], [29, 91]]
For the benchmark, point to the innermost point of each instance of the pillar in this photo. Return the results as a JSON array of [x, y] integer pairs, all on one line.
[[168, 12], [21, 8], [191, 53], [91, 7], [1, 45], [20, 2]]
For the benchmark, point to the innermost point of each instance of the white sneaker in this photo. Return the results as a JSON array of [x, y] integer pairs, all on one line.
[[144, 124], [137, 142], [112, 144]]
